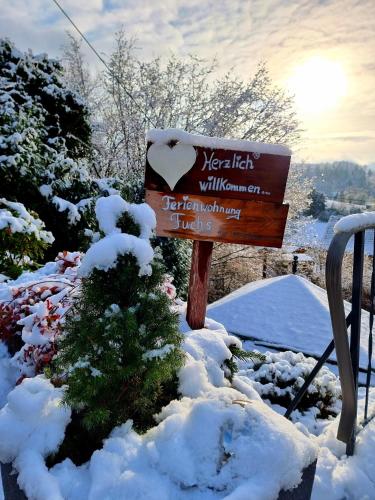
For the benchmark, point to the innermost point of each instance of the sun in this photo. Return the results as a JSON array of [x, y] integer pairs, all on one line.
[[318, 85]]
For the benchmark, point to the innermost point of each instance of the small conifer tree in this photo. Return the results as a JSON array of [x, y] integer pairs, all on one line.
[[120, 351]]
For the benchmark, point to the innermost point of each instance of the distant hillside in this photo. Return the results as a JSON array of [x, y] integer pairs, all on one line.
[[342, 180]]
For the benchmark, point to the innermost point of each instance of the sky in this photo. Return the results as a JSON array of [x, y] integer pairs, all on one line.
[[323, 51]]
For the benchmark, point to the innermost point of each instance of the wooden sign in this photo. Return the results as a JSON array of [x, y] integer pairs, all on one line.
[[245, 175], [209, 189], [207, 218]]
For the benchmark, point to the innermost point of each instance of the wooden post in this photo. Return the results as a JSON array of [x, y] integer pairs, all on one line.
[[198, 285]]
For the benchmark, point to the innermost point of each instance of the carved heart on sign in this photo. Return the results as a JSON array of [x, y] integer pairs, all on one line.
[[171, 163]]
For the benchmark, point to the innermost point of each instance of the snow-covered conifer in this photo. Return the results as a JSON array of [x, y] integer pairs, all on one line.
[[120, 351]]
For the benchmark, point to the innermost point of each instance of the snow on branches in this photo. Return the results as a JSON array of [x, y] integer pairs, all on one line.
[[23, 237]]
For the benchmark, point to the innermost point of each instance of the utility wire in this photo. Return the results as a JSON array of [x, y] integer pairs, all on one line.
[[103, 61]]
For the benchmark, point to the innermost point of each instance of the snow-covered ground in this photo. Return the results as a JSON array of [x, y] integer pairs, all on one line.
[[215, 441]]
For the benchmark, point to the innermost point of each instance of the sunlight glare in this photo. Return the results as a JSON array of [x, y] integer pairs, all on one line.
[[318, 85]]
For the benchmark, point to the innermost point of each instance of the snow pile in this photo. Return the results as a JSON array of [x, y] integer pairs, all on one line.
[[202, 448], [32, 425], [215, 442], [8, 375], [339, 476], [33, 418], [104, 253], [161, 136], [288, 312], [16, 219], [355, 223]]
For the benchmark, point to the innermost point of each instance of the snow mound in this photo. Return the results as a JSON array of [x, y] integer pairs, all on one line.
[[109, 209], [289, 312], [32, 419], [215, 442], [203, 448], [103, 254], [339, 476]]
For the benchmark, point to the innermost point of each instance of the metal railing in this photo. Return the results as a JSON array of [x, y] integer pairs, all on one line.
[[347, 354]]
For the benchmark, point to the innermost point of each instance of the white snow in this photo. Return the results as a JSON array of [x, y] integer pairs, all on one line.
[[338, 476], [32, 419], [18, 220], [219, 440], [158, 353], [213, 443], [64, 205], [104, 253], [314, 233], [286, 311], [161, 136], [46, 190], [8, 374], [355, 222], [109, 209]]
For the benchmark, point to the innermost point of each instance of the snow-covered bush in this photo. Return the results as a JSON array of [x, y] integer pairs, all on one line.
[[32, 312], [23, 238], [281, 375], [120, 350]]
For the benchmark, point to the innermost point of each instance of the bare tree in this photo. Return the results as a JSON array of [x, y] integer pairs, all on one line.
[[77, 72], [184, 93]]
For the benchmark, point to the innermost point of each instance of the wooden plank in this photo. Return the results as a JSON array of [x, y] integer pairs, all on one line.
[[198, 285], [208, 218], [225, 174]]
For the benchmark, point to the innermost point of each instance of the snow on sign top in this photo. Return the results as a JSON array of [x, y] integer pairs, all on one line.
[[161, 136]]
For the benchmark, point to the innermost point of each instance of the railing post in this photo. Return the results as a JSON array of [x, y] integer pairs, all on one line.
[[295, 264], [355, 330], [335, 256]]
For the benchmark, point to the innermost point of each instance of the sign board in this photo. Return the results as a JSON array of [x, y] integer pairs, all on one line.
[[209, 218], [209, 189], [217, 190], [245, 175]]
